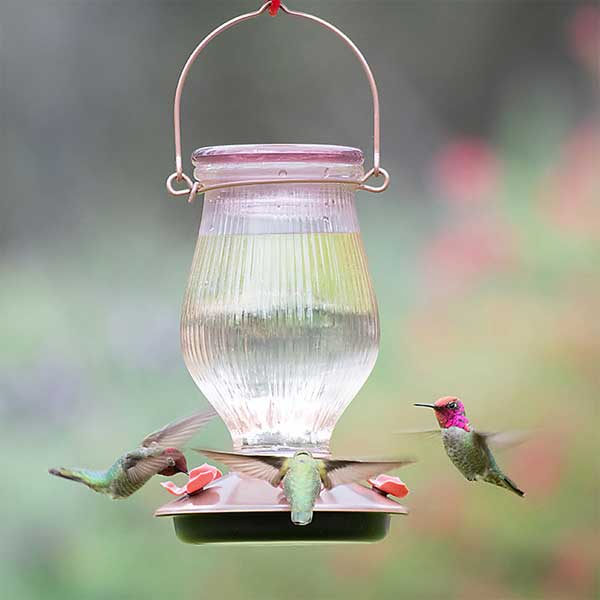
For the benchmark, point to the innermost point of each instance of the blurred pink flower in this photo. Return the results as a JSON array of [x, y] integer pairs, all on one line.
[[577, 337], [199, 478], [573, 568], [467, 171], [584, 34], [485, 585], [473, 249], [387, 484], [570, 194], [441, 510], [540, 463]]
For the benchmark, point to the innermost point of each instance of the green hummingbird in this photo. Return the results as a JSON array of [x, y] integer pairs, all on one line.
[[468, 449], [302, 474], [158, 454]]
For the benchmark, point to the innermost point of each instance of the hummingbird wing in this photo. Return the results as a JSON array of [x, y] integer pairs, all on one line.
[[177, 434], [269, 468], [141, 464], [501, 439], [338, 472], [139, 470], [422, 433]]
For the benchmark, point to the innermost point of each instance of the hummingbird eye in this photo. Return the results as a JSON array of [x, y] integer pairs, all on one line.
[[451, 405]]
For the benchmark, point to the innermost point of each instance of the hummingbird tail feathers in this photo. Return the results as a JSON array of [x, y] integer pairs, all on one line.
[[512, 486], [95, 480], [302, 517]]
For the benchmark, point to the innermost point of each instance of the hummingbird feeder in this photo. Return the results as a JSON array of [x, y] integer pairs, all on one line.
[[279, 325]]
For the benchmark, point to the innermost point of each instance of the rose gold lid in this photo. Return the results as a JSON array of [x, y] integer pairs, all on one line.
[[233, 493]]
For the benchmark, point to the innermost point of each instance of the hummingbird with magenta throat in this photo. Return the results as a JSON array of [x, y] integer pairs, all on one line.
[[302, 474], [468, 449], [158, 454]]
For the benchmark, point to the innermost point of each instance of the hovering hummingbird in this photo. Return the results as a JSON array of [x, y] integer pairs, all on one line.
[[159, 453], [467, 448], [302, 474]]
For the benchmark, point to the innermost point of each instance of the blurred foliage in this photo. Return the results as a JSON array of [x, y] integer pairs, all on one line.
[[484, 254]]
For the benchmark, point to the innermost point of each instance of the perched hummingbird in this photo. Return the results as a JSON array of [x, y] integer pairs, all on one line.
[[469, 449], [302, 474], [159, 453]]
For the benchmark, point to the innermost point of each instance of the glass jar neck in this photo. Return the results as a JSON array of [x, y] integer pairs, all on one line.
[[278, 208]]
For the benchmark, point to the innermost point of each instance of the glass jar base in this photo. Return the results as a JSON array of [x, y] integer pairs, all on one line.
[[275, 443]]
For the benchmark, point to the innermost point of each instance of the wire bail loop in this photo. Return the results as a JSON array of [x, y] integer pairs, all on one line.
[[375, 173], [179, 177], [195, 188]]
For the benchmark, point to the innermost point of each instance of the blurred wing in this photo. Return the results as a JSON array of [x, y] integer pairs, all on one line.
[[146, 468], [177, 434], [420, 433], [339, 472], [502, 439], [268, 468]]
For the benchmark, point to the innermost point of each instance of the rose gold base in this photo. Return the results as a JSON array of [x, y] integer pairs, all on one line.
[[242, 510]]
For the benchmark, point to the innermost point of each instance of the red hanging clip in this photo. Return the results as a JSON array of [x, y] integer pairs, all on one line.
[[275, 4]]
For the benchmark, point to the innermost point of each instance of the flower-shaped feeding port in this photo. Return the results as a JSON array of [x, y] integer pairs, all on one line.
[[389, 486], [198, 479]]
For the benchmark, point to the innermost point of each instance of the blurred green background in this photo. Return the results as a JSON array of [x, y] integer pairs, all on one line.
[[485, 256]]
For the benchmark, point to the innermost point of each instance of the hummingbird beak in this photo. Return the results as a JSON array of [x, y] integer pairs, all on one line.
[[427, 406]]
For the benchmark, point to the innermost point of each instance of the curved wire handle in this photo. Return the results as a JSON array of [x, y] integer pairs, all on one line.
[[194, 188]]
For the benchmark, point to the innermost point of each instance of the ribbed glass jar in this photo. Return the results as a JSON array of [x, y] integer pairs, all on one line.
[[279, 325]]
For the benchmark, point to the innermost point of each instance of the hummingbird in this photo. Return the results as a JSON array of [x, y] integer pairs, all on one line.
[[158, 454], [468, 449], [302, 474]]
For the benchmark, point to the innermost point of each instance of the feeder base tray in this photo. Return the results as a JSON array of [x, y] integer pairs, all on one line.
[[276, 527], [238, 510]]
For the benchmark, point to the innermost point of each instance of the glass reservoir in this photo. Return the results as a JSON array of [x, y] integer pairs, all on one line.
[[279, 324]]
